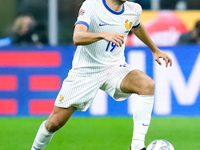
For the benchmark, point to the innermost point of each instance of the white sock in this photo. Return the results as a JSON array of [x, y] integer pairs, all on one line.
[[42, 138], [141, 117]]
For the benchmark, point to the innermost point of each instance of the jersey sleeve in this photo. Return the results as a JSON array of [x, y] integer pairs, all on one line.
[[85, 13], [138, 10]]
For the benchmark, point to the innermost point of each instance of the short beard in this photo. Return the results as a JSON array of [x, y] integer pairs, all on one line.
[[119, 2]]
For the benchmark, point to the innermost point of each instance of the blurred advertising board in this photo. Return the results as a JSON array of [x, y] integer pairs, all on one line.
[[31, 77], [165, 27]]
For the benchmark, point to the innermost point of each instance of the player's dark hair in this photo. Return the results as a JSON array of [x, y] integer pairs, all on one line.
[[197, 25], [80, 2]]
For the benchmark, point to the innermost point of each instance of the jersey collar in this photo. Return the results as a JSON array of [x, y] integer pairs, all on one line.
[[112, 11]]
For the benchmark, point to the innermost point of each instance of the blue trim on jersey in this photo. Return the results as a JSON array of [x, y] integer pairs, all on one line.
[[112, 11], [82, 22], [136, 26]]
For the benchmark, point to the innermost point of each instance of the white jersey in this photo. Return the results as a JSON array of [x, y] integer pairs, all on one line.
[[98, 17]]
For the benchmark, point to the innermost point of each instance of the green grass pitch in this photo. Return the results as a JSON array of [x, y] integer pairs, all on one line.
[[99, 133]]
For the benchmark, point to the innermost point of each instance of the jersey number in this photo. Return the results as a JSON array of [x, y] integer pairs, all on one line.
[[111, 46]]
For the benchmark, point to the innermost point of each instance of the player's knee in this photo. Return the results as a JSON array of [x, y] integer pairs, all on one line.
[[151, 85], [148, 88], [53, 125]]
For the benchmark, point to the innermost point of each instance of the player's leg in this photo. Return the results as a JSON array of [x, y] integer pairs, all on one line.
[[138, 82], [56, 120], [78, 91]]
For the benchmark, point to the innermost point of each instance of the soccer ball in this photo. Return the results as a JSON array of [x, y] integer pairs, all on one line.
[[160, 145]]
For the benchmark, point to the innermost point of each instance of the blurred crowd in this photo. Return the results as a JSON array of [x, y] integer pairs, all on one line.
[[191, 37], [30, 26], [27, 31]]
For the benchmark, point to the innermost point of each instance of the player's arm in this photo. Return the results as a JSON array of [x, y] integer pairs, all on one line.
[[143, 35], [83, 37]]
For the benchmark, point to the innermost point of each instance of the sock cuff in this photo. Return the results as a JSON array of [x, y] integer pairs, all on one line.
[[44, 130], [146, 98]]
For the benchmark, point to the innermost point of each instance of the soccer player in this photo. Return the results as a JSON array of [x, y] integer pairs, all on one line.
[[99, 63]]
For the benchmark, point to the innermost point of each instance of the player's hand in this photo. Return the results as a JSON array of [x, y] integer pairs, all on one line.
[[116, 38], [160, 54]]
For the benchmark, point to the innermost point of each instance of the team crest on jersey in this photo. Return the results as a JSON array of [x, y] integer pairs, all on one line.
[[81, 12], [128, 24], [61, 97]]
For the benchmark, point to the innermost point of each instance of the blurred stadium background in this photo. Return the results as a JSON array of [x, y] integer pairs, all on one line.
[[31, 75]]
